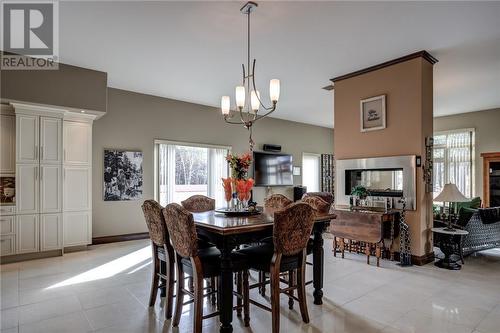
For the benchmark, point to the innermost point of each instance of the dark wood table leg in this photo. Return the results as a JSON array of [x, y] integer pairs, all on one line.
[[226, 288], [318, 263]]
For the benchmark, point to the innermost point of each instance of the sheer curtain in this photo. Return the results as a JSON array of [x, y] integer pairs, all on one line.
[[166, 174], [217, 169], [454, 160], [310, 171]]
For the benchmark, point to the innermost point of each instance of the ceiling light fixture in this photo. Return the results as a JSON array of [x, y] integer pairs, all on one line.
[[248, 108]]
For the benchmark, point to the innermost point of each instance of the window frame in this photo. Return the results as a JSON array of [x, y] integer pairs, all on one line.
[[156, 159]]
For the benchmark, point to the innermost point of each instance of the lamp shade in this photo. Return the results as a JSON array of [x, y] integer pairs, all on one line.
[[451, 193]]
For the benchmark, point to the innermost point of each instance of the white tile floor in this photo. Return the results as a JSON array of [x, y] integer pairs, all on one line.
[[106, 289]]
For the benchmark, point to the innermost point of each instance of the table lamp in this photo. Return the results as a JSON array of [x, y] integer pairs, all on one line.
[[450, 193]]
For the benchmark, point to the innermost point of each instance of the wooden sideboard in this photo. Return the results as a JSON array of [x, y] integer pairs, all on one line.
[[367, 230]]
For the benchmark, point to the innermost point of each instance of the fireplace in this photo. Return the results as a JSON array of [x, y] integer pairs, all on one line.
[[386, 178]]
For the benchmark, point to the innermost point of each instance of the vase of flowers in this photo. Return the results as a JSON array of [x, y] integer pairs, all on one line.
[[240, 184]]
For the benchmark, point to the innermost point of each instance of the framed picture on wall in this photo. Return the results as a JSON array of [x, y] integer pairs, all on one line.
[[372, 113], [122, 175]]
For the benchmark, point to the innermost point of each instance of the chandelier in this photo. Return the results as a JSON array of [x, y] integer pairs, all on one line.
[[248, 108]]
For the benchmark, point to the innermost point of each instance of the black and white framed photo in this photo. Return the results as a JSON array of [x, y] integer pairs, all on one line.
[[122, 175], [372, 111]]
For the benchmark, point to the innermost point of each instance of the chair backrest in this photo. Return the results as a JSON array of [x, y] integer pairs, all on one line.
[[198, 203], [292, 228], [154, 220], [327, 196], [181, 229], [276, 201], [320, 205]]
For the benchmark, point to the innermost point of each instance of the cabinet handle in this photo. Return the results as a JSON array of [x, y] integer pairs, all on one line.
[[64, 154], [36, 173], [41, 174], [41, 152]]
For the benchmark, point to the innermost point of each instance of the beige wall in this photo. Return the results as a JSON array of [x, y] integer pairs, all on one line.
[[408, 90], [487, 129], [134, 120]]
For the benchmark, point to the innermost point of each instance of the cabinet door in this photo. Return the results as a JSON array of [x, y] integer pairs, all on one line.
[[51, 232], [27, 233], [7, 245], [27, 189], [77, 143], [77, 228], [27, 138], [50, 189], [7, 225], [7, 144], [77, 189], [50, 140]]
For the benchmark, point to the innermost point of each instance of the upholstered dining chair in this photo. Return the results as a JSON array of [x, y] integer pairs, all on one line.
[[319, 204], [198, 204], [292, 228], [276, 201], [199, 263], [327, 196], [163, 255]]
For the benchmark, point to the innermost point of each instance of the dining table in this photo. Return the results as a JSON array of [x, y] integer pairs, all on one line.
[[228, 232]]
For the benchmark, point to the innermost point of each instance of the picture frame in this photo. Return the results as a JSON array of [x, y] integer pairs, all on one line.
[[122, 174], [373, 113]]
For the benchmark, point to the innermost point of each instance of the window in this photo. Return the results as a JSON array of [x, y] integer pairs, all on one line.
[[310, 171], [184, 169], [454, 160]]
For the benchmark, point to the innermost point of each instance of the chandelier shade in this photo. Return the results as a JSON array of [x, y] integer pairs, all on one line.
[[247, 96]]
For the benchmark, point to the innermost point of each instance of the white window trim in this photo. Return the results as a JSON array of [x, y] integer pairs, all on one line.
[[156, 160]]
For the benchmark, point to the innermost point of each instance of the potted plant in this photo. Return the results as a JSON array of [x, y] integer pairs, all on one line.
[[359, 192]]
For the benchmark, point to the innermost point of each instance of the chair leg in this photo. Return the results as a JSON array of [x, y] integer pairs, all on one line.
[[246, 299], [275, 292], [239, 290], [179, 298], [198, 303], [163, 270], [155, 278], [170, 287], [291, 282], [190, 284], [378, 253], [301, 289], [334, 246]]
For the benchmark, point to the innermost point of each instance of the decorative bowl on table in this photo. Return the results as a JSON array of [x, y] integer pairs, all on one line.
[[240, 212]]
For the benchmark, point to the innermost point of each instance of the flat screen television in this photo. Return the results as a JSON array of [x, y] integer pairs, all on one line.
[[272, 169]]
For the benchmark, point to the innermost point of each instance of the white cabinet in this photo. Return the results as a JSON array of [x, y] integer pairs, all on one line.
[[50, 189], [27, 233], [77, 143], [27, 138], [8, 144], [77, 228], [50, 140], [51, 232], [7, 225], [7, 245], [77, 188], [27, 186]]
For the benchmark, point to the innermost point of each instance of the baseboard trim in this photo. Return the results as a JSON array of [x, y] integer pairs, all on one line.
[[418, 260], [119, 238], [30, 256]]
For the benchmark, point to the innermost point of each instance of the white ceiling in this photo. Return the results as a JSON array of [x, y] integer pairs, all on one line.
[[192, 51]]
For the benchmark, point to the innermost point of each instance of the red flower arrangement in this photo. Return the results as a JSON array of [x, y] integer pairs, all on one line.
[[239, 165]]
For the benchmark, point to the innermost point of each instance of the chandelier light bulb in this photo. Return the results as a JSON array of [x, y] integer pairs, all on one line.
[[254, 99], [225, 104], [274, 90], [240, 96]]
